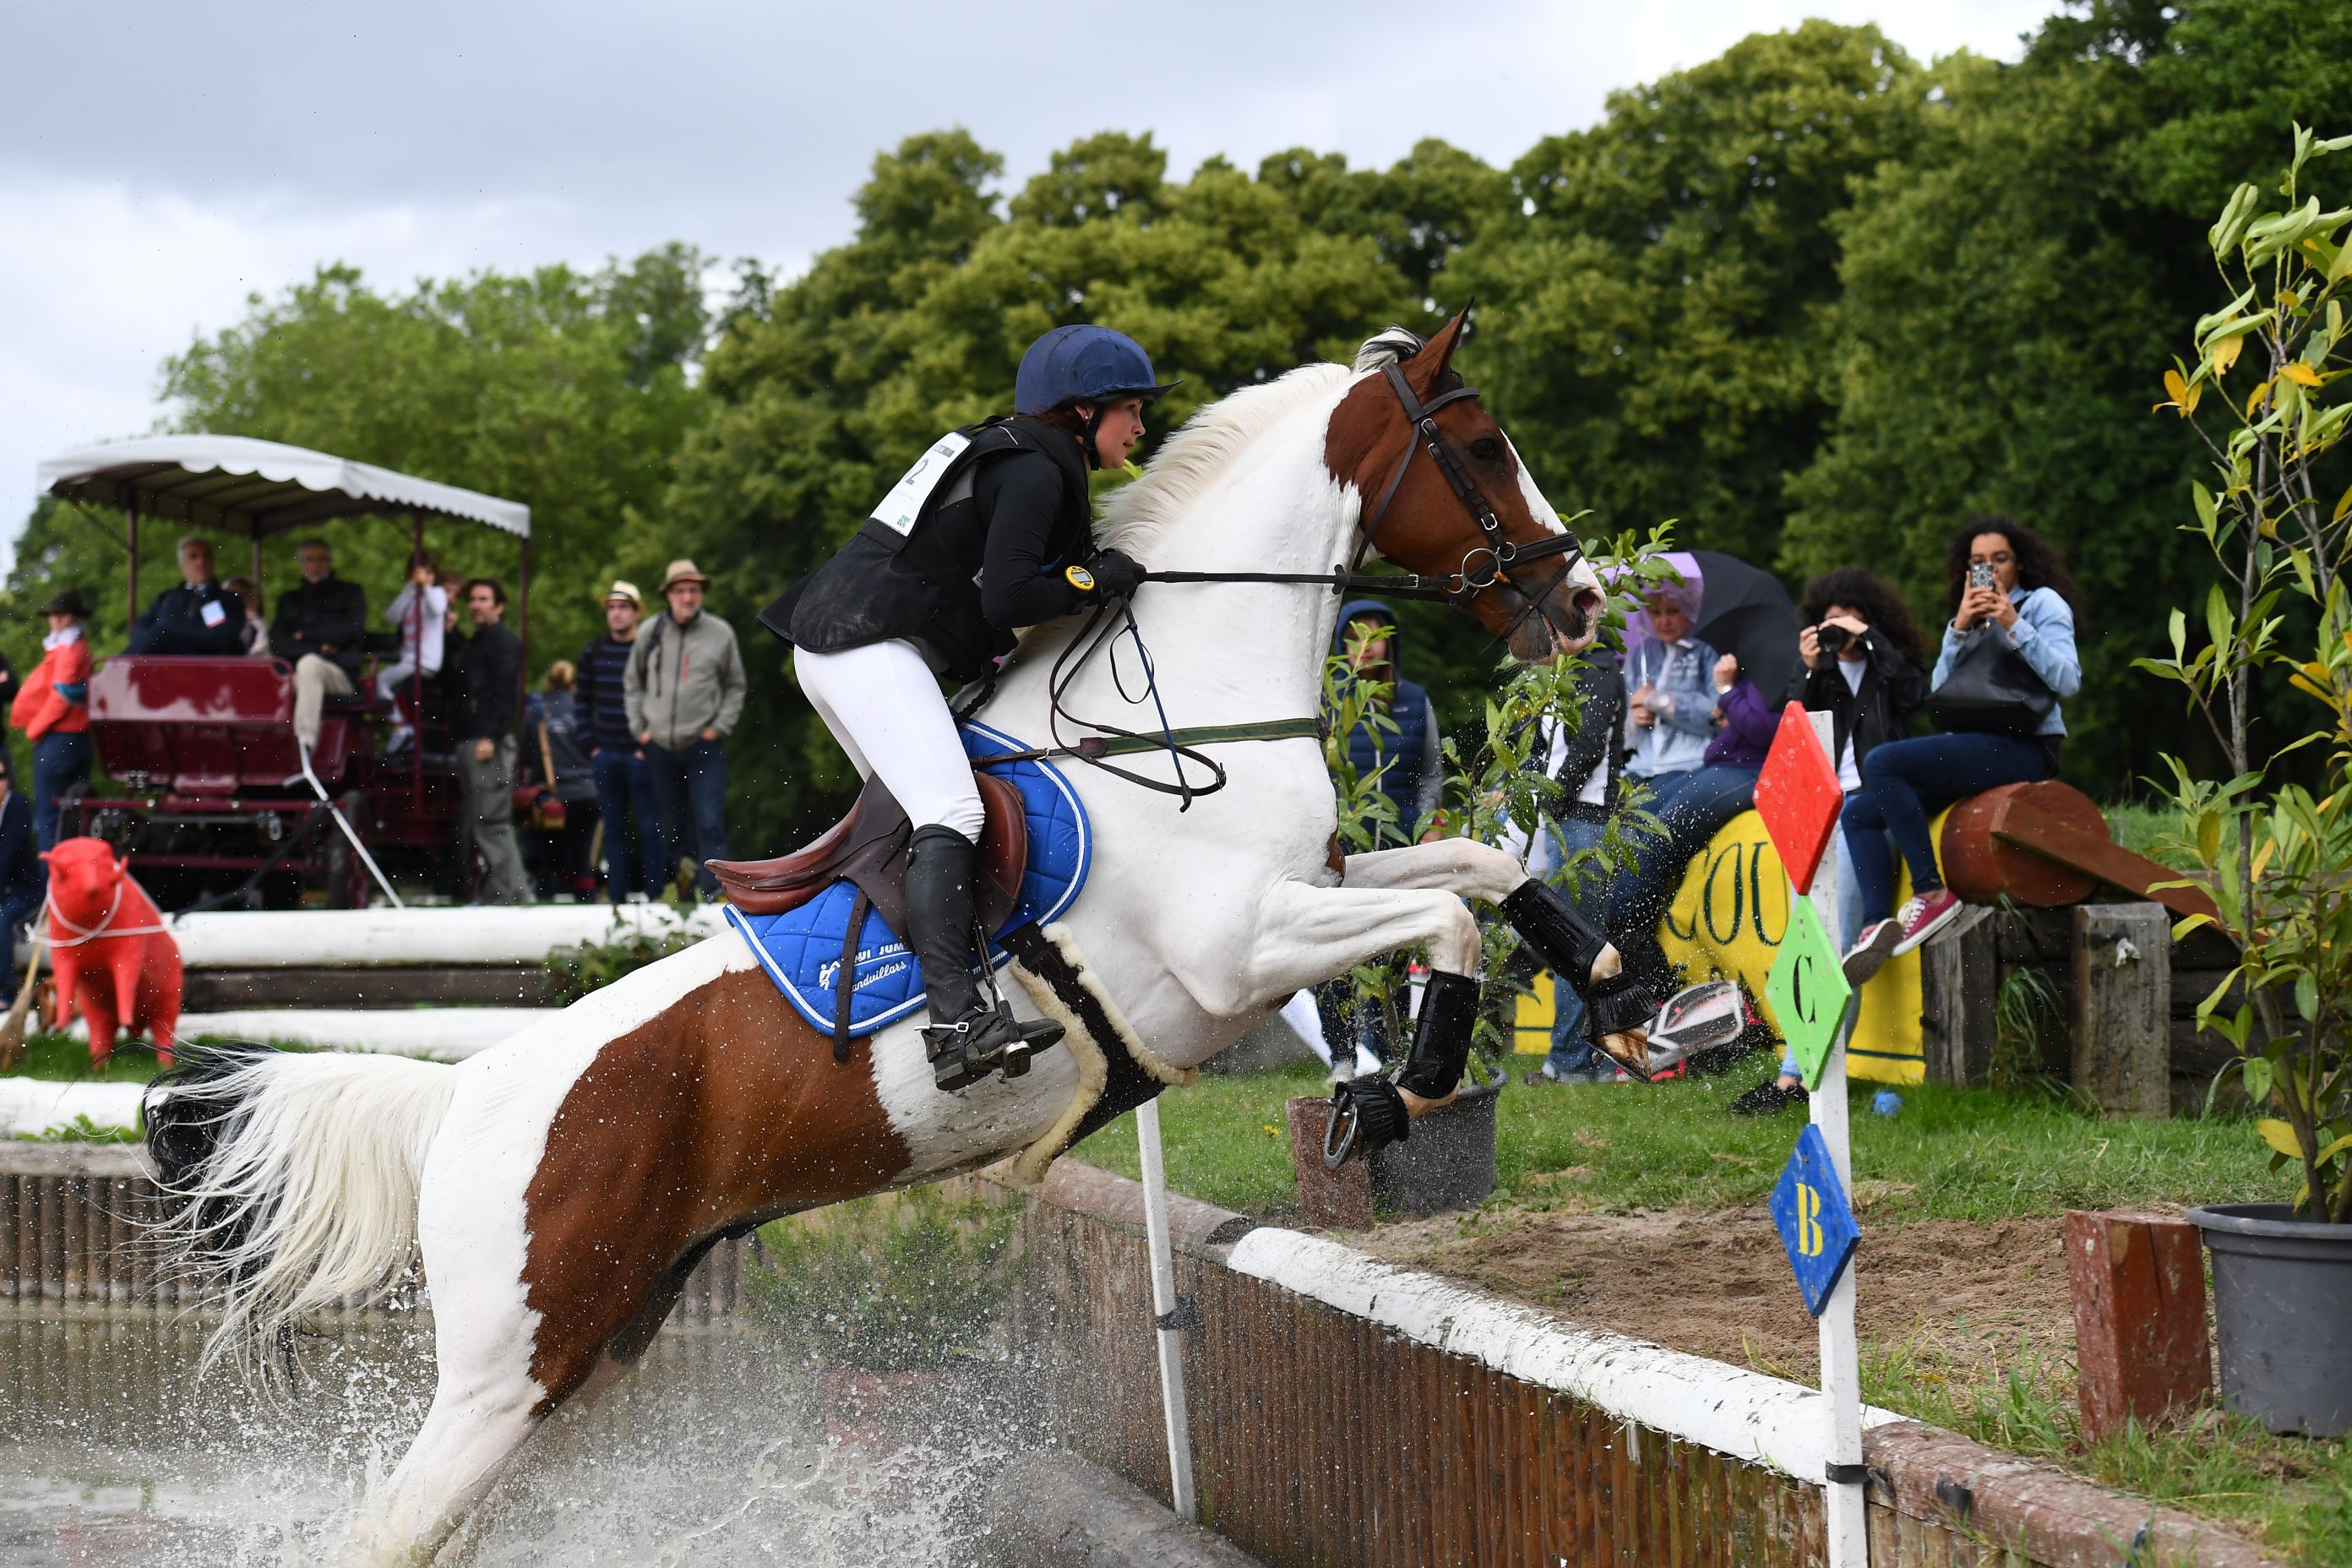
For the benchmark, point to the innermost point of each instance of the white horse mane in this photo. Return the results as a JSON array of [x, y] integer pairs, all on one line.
[[1192, 457]]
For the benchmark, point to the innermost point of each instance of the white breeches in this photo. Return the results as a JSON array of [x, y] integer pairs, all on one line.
[[884, 705]]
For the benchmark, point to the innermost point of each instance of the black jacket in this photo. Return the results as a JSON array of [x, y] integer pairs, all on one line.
[[985, 554], [318, 614], [175, 622], [1893, 689], [485, 681], [1600, 719]]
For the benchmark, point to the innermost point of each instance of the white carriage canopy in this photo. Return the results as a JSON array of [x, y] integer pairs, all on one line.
[[259, 488]]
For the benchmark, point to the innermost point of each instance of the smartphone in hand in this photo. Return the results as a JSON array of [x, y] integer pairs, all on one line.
[[1979, 575]]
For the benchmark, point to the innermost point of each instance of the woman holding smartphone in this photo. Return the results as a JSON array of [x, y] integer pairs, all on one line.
[[2007, 583]]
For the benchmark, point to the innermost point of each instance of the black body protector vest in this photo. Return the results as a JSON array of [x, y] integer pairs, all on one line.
[[913, 570]]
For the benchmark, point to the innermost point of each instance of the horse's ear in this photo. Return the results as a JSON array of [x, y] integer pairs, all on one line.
[[1428, 367]]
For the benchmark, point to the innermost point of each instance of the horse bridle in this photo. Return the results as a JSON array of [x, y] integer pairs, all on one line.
[[1465, 585], [1501, 555]]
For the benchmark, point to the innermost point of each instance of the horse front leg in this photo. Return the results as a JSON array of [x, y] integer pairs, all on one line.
[[1306, 934], [1570, 946]]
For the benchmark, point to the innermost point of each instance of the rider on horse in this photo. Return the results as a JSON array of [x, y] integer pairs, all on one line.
[[992, 530]]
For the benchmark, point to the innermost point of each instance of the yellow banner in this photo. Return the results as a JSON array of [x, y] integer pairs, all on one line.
[[1726, 921]]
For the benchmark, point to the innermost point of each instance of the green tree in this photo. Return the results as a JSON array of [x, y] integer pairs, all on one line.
[[2003, 313], [1651, 329], [2008, 286], [918, 325], [564, 391]]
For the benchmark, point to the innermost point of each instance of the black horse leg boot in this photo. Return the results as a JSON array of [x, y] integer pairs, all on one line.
[[1374, 1111], [1570, 946], [967, 1039]]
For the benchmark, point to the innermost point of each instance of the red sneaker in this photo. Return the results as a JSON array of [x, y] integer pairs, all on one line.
[[1926, 915]]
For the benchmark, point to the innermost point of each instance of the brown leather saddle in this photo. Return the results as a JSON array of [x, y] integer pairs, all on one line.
[[868, 848]]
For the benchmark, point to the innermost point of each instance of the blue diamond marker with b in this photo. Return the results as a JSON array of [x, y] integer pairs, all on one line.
[[1816, 1227]]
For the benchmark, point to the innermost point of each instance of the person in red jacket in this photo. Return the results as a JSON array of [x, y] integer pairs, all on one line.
[[53, 710]]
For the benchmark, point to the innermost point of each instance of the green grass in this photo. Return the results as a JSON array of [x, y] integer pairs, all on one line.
[[1949, 1154], [62, 1058], [2205, 1460]]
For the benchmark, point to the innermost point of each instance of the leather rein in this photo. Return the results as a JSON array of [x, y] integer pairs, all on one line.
[[1181, 745]]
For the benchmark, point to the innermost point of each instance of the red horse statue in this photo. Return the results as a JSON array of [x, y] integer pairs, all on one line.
[[110, 951]]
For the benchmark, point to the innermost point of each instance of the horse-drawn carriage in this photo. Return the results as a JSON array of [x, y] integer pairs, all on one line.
[[216, 794]]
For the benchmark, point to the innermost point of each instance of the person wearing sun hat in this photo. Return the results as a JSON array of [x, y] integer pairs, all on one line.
[[624, 786], [685, 686]]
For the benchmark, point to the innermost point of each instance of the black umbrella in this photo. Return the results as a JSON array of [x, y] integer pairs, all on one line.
[[1746, 612]]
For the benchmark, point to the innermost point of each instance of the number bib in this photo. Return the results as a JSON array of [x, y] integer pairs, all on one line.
[[904, 504]]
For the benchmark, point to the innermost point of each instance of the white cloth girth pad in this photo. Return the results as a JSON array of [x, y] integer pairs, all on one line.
[[884, 705]]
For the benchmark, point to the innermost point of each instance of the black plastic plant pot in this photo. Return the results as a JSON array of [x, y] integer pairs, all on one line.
[[2282, 1315], [1448, 1163]]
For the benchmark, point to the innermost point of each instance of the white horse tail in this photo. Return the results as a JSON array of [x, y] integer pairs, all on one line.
[[289, 1181]]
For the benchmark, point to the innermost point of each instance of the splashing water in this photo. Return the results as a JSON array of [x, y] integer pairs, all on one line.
[[713, 1452]]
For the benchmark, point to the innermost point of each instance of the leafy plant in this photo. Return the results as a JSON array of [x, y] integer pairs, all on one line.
[[1492, 788], [575, 972], [2278, 865], [899, 1282]]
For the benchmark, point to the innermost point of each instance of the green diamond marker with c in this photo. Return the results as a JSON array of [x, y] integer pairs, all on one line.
[[1808, 991]]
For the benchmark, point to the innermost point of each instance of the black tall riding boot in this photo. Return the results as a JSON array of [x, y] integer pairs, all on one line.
[[967, 1039]]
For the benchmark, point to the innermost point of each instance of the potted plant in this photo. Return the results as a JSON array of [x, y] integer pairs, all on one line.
[[2276, 858], [1448, 1162]]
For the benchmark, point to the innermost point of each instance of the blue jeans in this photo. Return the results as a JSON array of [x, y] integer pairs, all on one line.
[[691, 792], [1694, 807], [633, 832], [60, 762], [1901, 781], [1573, 1049]]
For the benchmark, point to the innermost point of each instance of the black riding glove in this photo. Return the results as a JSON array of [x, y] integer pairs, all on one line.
[[1116, 573]]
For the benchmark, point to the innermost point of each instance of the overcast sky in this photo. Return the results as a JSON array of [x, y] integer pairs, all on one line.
[[158, 162]]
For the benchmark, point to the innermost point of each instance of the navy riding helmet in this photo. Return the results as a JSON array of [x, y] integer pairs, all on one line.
[[1083, 364]]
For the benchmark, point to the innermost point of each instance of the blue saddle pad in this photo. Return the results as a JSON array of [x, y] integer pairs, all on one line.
[[800, 949]]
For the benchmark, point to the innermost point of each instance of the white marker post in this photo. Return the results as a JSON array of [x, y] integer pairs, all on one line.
[[1845, 1513], [1163, 1306]]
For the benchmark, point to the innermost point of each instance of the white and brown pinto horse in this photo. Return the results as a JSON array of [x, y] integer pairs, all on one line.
[[560, 1185]]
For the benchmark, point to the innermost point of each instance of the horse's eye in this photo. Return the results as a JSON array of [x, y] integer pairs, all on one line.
[[1486, 449]]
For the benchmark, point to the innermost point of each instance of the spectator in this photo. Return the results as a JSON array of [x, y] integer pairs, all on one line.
[[1413, 775], [1584, 759], [196, 616], [488, 673], [252, 635], [685, 692], [2008, 587], [634, 866], [53, 710], [550, 722], [1407, 760], [24, 883], [1696, 805], [1861, 666], [320, 630], [421, 612], [1670, 705]]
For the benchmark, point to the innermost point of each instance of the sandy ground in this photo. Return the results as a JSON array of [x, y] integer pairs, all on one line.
[[1956, 1297]]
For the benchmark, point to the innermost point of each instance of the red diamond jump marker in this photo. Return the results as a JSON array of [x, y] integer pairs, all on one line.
[[1798, 797]]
